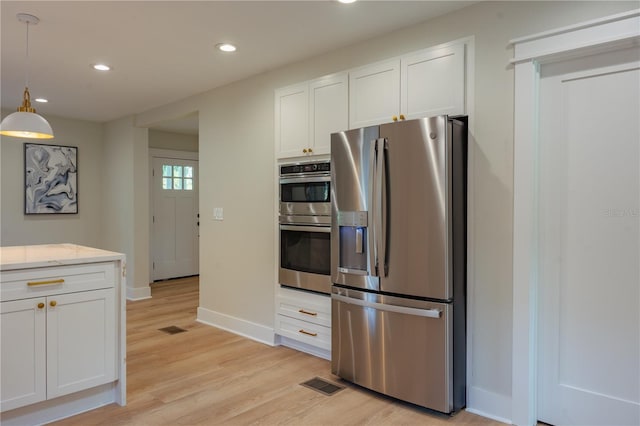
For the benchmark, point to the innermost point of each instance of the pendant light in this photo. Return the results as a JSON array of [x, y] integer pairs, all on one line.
[[26, 123]]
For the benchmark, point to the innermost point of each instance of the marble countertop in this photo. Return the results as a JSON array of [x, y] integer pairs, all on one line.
[[37, 256]]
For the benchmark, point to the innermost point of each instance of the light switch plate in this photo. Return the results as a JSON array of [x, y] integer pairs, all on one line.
[[218, 213]]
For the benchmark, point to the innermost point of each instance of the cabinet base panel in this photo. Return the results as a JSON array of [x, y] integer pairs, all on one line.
[[303, 347], [62, 407]]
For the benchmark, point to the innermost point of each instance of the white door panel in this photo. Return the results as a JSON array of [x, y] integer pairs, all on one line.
[[175, 218], [589, 247]]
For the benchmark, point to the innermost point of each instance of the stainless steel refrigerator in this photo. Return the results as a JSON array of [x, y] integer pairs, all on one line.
[[398, 259]]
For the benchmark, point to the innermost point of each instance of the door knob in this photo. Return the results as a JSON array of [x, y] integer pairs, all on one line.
[[401, 116], [40, 305], [394, 118], [304, 151], [53, 303]]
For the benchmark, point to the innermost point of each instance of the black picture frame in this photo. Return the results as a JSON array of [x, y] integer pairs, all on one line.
[[50, 179]]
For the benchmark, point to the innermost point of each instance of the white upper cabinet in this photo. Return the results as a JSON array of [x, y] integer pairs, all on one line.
[[292, 120], [421, 84], [432, 82], [307, 114], [328, 111], [374, 93]]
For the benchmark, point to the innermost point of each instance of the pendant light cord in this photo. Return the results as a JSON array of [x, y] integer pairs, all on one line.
[[26, 72]]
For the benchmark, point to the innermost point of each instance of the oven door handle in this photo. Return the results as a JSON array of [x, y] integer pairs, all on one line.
[[298, 228], [306, 179]]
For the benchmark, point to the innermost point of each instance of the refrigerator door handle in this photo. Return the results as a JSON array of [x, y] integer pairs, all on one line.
[[382, 209], [371, 237], [428, 313]]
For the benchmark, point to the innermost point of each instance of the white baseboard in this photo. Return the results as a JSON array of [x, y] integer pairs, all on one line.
[[239, 326], [489, 404], [138, 293], [61, 407]]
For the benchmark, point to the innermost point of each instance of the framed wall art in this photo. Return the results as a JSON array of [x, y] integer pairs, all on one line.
[[50, 179]]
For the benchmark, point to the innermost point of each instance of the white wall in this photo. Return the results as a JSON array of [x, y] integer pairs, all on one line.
[[83, 228], [125, 200], [160, 139]]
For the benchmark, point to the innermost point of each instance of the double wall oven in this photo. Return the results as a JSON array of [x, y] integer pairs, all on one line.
[[305, 226]]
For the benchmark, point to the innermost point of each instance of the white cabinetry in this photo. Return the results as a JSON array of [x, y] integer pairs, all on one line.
[[303, 321], [424, 83], [306, 114], [23, 348], [292, 120], [81, 345], [374, 94], [56, 345], [62, 333], [328, 110]]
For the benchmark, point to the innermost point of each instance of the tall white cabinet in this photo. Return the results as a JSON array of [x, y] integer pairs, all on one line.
[[62, 315]]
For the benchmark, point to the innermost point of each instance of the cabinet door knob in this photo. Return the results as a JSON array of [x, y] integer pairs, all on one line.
[[304, 151], [394, 118], [53, 303], [401, 116], [310, 150], [40, 305]]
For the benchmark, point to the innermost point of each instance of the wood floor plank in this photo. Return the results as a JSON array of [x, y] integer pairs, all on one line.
[[207, 376]]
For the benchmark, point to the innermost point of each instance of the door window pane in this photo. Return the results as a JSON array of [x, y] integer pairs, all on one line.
[[188, 171], [177, 183], [166, 170], [188, 184], [177, 171], [166, 183]]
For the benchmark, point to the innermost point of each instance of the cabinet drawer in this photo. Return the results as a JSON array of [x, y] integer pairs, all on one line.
[[37, 282], [314, 312], [303, 331]]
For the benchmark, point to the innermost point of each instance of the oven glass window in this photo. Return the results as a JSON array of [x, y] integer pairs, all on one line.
[[305, 192], [306, 251]]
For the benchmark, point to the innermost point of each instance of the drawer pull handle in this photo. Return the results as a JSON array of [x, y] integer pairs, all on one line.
[[302, 311], [307, 333], [48, 282]]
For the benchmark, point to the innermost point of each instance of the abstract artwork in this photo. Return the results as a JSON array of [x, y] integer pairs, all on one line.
[[51, 179]]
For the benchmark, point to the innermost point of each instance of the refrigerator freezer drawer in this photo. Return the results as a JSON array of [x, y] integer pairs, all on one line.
[[404, 352]]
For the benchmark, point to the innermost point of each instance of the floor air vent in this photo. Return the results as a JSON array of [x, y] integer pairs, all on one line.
[[172, 329], [322, 386]]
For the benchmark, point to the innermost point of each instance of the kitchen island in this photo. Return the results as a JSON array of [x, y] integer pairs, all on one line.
[[63, 337]]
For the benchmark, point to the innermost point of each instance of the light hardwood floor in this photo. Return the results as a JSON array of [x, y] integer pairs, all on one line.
[[207, 376]]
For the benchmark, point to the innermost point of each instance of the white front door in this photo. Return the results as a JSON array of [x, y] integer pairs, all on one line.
[[175, 218], [589, 246]]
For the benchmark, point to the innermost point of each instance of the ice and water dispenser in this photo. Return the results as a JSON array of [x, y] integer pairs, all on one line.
[[353, 242]]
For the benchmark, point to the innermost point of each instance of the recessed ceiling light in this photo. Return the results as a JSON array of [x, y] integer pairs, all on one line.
[[101, 67], [41, 100], [226, 47], [347, 1]]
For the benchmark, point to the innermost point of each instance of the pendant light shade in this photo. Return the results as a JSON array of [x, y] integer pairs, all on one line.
[[26, 123]]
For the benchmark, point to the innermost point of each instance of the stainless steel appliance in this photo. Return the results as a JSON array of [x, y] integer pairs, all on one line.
[[398, 261], [305, 226]]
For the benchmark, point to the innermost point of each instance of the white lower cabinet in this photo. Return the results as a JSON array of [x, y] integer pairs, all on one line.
[[53, 346], [304, 321], [60, 329], [81, 349], [23, 364]]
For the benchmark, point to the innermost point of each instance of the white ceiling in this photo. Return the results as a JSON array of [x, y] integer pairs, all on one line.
[[163, 51]]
